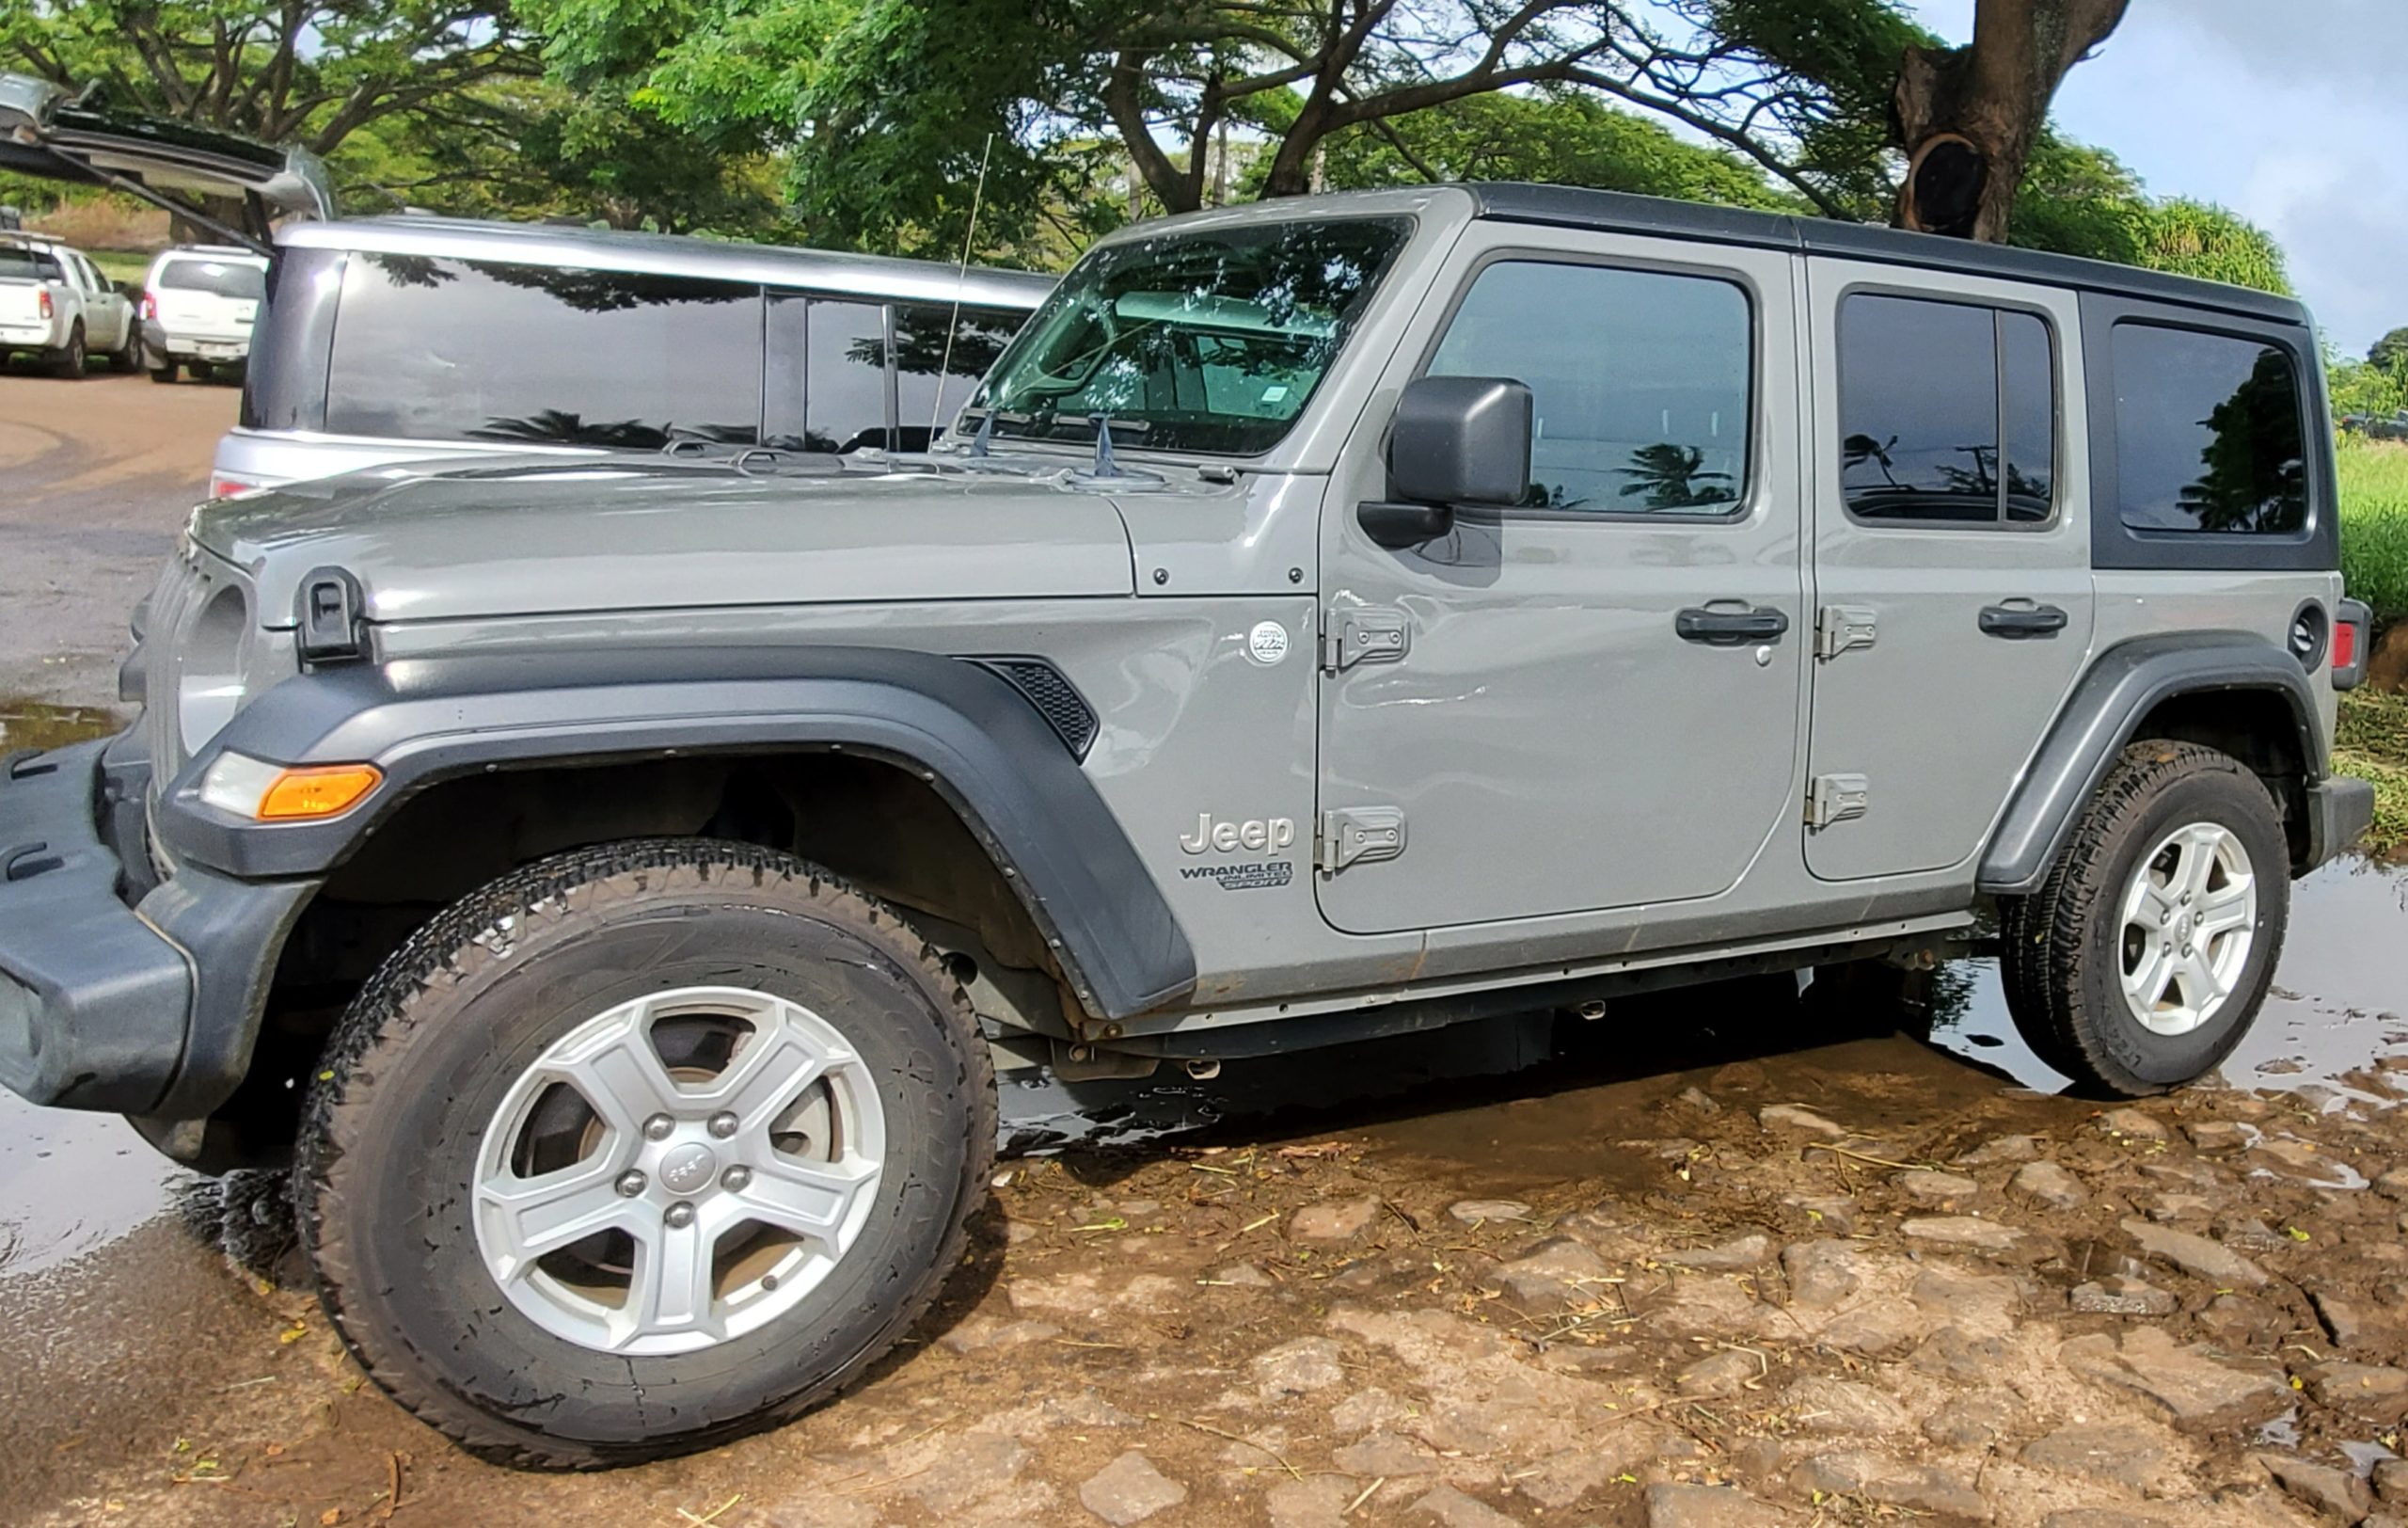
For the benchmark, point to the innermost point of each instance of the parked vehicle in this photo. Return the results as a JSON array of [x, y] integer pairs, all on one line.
[[54, 301], [395, 339], [198, 307], [618, 884]]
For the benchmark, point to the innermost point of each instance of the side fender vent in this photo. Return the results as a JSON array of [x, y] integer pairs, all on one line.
[[1055, 698]]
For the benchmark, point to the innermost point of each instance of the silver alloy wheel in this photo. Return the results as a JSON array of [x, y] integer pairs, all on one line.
[[2189, 918], [678, 1171]]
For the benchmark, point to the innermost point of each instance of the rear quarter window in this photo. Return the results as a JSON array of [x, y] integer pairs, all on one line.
[[434, 349], [2210, 434]]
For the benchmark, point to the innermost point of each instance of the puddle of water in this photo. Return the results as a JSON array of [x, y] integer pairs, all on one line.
[[2337, 1006], [71, 1183], [38, 723]]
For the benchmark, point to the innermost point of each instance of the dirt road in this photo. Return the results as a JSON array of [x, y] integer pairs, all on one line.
[[1726, 1258]]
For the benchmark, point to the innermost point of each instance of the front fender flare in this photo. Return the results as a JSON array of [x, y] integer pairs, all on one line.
[[958, 726], [2122, 686]]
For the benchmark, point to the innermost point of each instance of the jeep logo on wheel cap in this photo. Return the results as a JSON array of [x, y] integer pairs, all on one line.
[[687, 1167]]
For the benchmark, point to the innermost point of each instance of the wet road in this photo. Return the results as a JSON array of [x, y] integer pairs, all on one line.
[[146, 1320]]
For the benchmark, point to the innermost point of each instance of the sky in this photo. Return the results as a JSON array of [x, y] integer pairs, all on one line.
[[2289, 112]]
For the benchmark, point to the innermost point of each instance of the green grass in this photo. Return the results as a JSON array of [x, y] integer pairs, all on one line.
[[121, 264], [2372, 745], [2374, 524]]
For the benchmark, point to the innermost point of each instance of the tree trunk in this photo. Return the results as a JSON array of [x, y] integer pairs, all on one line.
[[1967, 117]]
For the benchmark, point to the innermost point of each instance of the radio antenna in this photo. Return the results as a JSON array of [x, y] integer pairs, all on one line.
[[960, 279]]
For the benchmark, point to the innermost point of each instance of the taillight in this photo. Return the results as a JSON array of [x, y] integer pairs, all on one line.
[[2352, 621], [43, 297], [149, 306], [227, 487]]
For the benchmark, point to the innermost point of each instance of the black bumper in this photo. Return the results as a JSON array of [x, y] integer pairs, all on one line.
[[148, 1008], [2340, 811]]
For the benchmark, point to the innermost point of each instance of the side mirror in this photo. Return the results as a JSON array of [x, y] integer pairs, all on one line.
[[1457, 441]]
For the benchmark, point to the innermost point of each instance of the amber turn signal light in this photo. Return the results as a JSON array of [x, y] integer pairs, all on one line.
[[324, 791]]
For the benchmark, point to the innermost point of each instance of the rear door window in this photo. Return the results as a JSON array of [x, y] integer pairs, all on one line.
[[217, 278], [433, 349], [2208, 432], [1948, 412]]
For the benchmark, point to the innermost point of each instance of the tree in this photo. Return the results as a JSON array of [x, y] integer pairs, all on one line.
[[1968, 117], [2388, 352], [309, 73]]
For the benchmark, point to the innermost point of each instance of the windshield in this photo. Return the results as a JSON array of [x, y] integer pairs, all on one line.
[[1207, 341]]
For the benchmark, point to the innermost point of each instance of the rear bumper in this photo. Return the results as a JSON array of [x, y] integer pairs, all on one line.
[[143, 1008], [31, 336], [161, 341], [2340, 811]]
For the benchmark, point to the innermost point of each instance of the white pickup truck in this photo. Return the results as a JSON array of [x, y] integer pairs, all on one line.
[[55, 301]]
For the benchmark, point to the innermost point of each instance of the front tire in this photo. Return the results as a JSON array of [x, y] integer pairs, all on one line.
[[2145, 956], [640, 1149], [127, 358]]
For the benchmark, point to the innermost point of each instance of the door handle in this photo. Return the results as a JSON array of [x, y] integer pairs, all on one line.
[[1729, 627], [2016, 621]]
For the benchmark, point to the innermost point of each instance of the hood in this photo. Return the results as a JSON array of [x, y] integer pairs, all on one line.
[[541, 538]]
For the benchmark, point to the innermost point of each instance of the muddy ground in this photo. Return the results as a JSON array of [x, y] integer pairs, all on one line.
[[1728, 1257]]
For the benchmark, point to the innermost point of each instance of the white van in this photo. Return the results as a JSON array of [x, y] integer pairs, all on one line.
[[197, 306]]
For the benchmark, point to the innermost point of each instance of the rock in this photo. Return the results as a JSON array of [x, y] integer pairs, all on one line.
[[2243, 1320], [2195, 1255], [1722, 1374], [1842, 1406], [1822, 1273], [1314, 1501], [1969, 1232], [2181, 1207], [1830, 1212], [1367, 1411], [2132, 1124], [1557, 1268], [1297, 1368], [1052, 1414], [2001, 1149], [1921, 1488], [2188, 1382], [1953, 1353], [1246, 1275], [1740, 1252], [1454, 1509], [968, 1467], [1710, 1506], [1130, 1489], [1385, 1454], [1473, 1211], [2120, 1455], [2391, 1481], [2366, 1388], [1936, 1187], [2049, 1183], [2119, 1296], [2221, 1135], [1977, 1420], [1700, 1099], [1563, 1477], [1974, 1303], [1340, 1220], [820, 1509], [2394, 1183], [984, 1334], [1797, 1119], [2321, 1485], [2105, 1516], [2351, 1323], [2247, 1231], [2293, 1153]]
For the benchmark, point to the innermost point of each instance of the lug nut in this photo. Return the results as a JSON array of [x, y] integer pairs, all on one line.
[[630, 1185], [658, 1126], [722, 1124], [679, 1215], [734, 1178]]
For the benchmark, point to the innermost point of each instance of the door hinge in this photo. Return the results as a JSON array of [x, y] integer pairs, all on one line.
[[1357, 835], [1840, 627], [1367, 635], [1835, 798]]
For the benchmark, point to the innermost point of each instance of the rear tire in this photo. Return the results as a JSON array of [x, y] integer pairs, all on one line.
[[163, 368], [525, 1036], [68, 363], [2145, 956]]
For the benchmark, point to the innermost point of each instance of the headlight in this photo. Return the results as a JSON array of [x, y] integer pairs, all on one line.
[[244, 786]]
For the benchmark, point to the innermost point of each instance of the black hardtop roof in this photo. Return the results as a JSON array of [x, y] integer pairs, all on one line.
[[1565, 206]]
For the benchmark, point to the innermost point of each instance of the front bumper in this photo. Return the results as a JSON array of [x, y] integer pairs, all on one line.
[[148, 1007], [2340, 812]]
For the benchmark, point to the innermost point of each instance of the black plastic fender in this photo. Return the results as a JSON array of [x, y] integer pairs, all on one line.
[[2106, 709], [973, 738]]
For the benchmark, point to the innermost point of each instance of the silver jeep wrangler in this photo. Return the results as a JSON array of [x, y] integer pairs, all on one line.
[[614, 885]]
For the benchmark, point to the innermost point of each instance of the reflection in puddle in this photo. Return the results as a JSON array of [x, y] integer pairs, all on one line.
[[38, 723], [71, 1183]]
